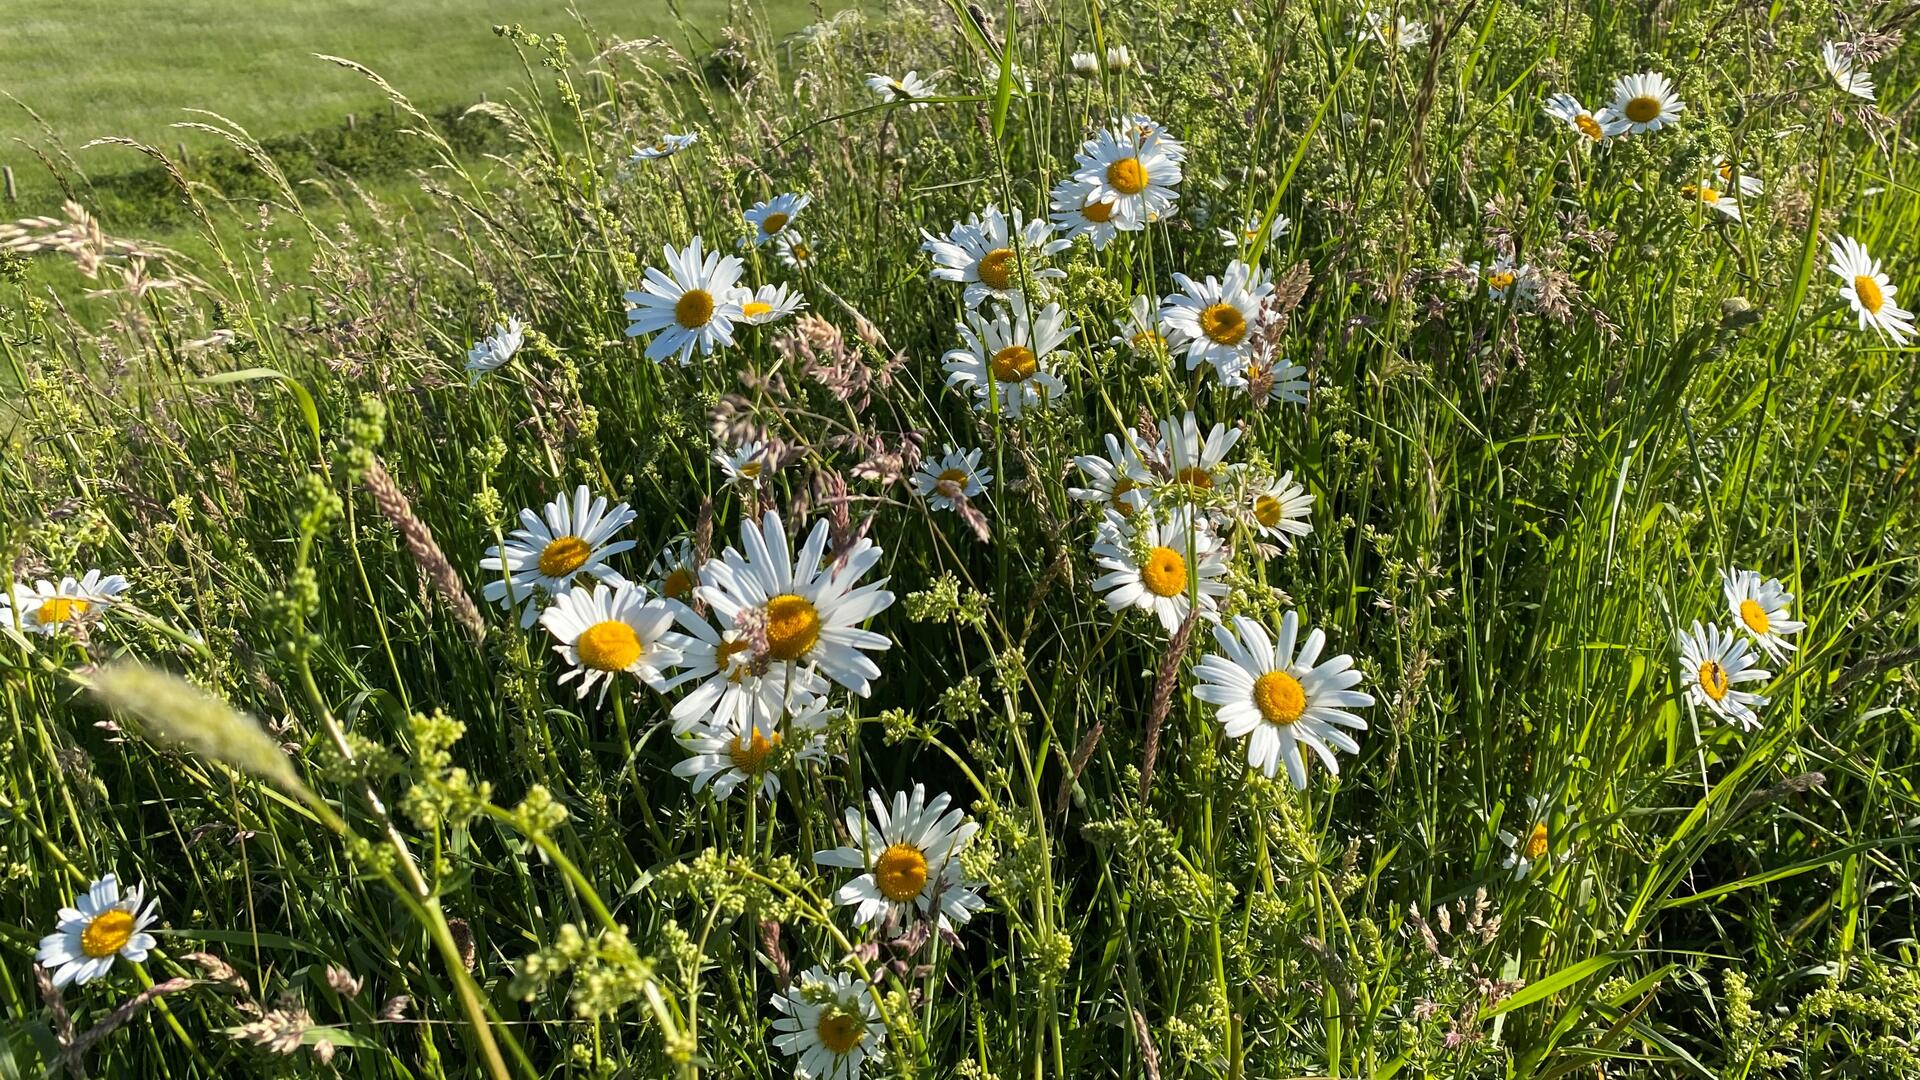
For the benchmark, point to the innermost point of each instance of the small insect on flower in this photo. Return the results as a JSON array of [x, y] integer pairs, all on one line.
[[1838, 61], [796, 252], [1140, 329], [830, 1023], [1645, 102], [1005, 359], [48, 609], [1137, 174], [1077, 213], [1868, 289], [490, 353], [1216, 319], [675, 572], [1279, 700], [909, 87], [1120, 481], [1507, 277], [694, 303], [740, 687], [1192, 461], [980, 254], [610, 629], [101, 925], [1708, 194], [1278, 381], [956, 475], [801, 612], [770, 304], [1535, 847], [725, 758], [1764, 607], [665, 146], [1567, 109], [1397, 31], [548, 553], [909, 856], [1161, 563], [1276, 509], [1713, 664], [1249, 232], [769, 217], [743, 464]]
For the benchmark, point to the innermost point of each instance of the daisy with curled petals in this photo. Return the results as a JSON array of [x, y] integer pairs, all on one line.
[[101, 926], [1839, 65], [800, 611], [909, 858], [1161, 563], [694, 303], [769, 217], [739, 686], [1196, 462], [725, 758], [490, 353], [549, 552], [795, 251], [1148, 132], [1709, 194], [1868, 289], [1249, 232], [1713, 664], [675, 572], [956, 475], [1567, 109], [1738, 179], [610, 629], [830, 1024], [1076, 213], [1137, 175], [1534, 848], [1275, 508], [1764, 607], [1276, 380], [770, 304], [980, 254], [46, 608], [667, 145], [1005, 359], [909, 87], [1397, 31], [1140, 329], [744, 464], [1120, 481], [1216, 318], [1645, 102], [1279, 700]]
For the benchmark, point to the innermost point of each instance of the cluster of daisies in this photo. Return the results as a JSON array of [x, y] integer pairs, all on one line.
[[46, 608], [698, 299], [1717, 665]]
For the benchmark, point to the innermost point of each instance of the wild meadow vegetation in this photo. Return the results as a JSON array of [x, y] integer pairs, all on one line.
[[1202, 538]]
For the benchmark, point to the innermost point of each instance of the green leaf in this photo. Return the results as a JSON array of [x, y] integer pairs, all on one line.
[[1553, 984]]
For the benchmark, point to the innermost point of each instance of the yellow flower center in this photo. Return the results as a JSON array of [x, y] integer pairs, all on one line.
[[679, 583], [1279, 697], [1589, 127], [107, 934], [753, 309], [608, 646], [752, 469], [773, 223], [694, 309], [1643, 108], [723, 659], [59, 609], [1537, 842], [1147, 340], [749, 753], [1121, 487], [800, 252], [1501, 279], [793, 627], [564, 556], [997, 267], [1268, 510], [1868, 290], [1702, 192], [1127, 176], [1099, 213], [901, 872], [1224, 324], [1755, 616], [840, 1030], [1164, 573], [1713, 679], [956, 477], [1015, 363], [1194, 476]]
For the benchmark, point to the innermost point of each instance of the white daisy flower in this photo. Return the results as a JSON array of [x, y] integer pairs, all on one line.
[[1567, 109], [770, 304], [1138, 175], [795, 250], [46, 608], [1160, 564], [1764, 607], [1646, 102], [1148, 132], [1713, 664], [1397, 32], [909, 858], [1280, 380], [1536, 847], [1120, 481], [1191, 460], [1076, 213], [1216, 318], [1279, 700], [769, 217], [490, 353], [980, 254], [1119, 58], [1708, 194], [725, 758], [1276, 508], [743, 464], [1868, 290], [1249, 231], [1508, 277], [101, 925], [694, 303], [675, 572], [549, 552], [830, 1024], [957, 474], [1140, 329], [908, 87], [1085, 64], [740, 688], [804, 612], [1006, 359], [609, 629], [1839, 65], [667, 145], [1745, 184]]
